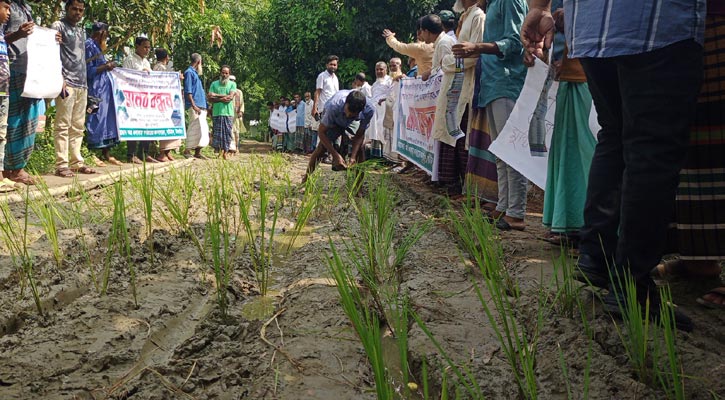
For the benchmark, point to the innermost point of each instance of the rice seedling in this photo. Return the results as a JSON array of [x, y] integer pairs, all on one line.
[[18, 247], [463, 373], [260, 251], [77, 221], [565, 286], [519, 348], [145, 186], [636, 321], [222, 230], [44, 207], [364, 320], [310, 200], [671, 376], [177, 198], [119, 238]]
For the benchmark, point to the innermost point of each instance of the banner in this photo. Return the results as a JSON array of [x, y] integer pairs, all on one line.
[[44, 79], [278, 120], [512, 145], [292, 121], [414, 116], [148, 105]]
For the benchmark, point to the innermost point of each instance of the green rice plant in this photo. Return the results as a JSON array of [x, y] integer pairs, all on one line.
[[477, 237], [310, 200], [44, 208], [177, 198], [120, 240], [77, 222], [565, 286], [260, 251], [144, 184], [519, 348], [222, 230], [463, 373], [639, 331], [18, 246], [671, 377], [219, 241], [364, 320]]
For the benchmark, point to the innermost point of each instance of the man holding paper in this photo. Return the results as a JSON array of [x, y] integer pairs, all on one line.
[[70, 115]]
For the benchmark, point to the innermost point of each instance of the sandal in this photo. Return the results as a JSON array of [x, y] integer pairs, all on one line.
[[504, 225], [6, 185], [84, 170], [114, 161], [98, 162], [677, 270], [717, 292], [64, 173]]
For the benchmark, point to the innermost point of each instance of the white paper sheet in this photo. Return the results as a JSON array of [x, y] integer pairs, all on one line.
[[45, 72]]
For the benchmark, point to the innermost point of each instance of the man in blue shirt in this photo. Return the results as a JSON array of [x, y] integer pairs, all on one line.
[[643, 61], [197, 134], [347, 114]]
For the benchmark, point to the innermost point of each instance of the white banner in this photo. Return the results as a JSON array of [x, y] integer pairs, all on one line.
[[44, 79], [148, 105], [278, 120], [512, 145], [414, 116], [292, 121]]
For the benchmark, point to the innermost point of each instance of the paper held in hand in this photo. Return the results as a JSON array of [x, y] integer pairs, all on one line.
[[44, 79]]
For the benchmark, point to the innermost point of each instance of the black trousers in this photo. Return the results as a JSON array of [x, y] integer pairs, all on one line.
[[132, 145], [645, 104]]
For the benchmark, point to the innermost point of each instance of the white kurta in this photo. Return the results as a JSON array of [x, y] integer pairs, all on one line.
[[471, 31]]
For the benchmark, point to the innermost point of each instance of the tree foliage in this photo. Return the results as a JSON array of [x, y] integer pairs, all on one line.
[[296, 36]]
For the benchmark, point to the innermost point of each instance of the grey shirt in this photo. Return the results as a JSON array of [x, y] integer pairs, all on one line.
[[17, 51], [72, 52]]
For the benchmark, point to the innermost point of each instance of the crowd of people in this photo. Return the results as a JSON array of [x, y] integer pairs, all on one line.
[[649, 183], [614, 194], [85, 105]]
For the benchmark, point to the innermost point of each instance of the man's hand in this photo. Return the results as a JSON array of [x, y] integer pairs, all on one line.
[[110, 65], [537, 33], [464, 50], [196, 109], [58, 38], [387, 33], [425, 76], [26, 29], [338, 160]]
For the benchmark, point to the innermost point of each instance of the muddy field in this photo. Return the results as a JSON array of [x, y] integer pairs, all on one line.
[[296, 342]]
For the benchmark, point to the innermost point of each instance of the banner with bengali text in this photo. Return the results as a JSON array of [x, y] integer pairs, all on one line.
[[414, 116], [148, 105]]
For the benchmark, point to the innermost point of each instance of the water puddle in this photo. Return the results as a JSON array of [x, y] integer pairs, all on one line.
[[260, 308]]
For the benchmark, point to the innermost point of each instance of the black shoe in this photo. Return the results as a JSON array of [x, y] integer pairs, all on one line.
[[611, 304], [591, 272]]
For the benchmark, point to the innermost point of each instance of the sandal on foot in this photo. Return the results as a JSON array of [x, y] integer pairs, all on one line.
[[114, 161], [718, 292], [677, 270], [64, 173], [84, 170], [6, 185], [98, 162]]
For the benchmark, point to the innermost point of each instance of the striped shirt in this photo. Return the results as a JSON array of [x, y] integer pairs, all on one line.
[[610, 28]]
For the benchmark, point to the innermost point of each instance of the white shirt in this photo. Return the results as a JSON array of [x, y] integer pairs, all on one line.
[[366, 89], [308, 113], [134, 61], [453, 35], [443, 47], [329, 85]]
